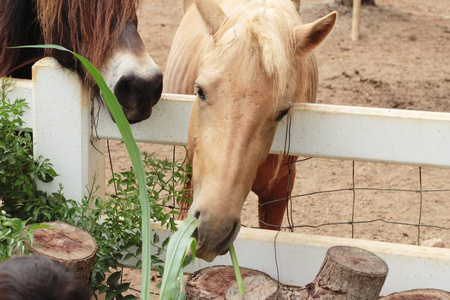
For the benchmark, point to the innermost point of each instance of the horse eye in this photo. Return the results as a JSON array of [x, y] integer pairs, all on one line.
[[282, 114], [201, 94]]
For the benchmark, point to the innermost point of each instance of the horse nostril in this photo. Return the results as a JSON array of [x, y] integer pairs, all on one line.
[[157, 84], [197, 214]]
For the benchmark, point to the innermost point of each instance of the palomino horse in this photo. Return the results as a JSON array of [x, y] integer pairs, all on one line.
[[103, 31], [247, 61]]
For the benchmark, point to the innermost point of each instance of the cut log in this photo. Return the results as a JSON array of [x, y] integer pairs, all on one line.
[[69, 245], [421, 294], [219, 282], [348, 273]]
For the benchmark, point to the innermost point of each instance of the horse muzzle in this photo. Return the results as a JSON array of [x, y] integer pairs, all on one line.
[[215, 237], [138, 95]]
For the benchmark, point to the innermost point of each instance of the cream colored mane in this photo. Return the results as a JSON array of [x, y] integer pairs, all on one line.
[[261, 33]]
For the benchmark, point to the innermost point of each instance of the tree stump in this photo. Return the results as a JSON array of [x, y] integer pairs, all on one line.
[[348, 273], [422, 294], [69, 245], [219, 282]]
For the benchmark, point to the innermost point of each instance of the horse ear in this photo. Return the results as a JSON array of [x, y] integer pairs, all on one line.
[[186, 4], [297, 4], [211, 13], [310, 35]]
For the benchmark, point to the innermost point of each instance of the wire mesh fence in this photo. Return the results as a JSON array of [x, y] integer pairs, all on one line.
[[364, 200], [375, 201]]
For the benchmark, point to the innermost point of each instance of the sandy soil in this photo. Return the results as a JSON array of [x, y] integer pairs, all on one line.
[[401, 61]]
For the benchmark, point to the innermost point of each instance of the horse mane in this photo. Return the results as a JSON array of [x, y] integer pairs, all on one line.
[[13, 18], [262, 32], [92, 27]]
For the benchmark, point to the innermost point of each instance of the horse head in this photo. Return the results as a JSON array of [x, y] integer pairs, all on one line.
[[254, 61], [103, 31]]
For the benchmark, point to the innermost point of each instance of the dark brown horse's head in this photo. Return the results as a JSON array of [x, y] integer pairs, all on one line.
[[103, 31]]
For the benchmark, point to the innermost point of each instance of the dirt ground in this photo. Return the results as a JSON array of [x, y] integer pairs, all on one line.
[[400, 61]]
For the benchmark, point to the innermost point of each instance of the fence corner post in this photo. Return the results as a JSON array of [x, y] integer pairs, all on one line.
[[62, 131]]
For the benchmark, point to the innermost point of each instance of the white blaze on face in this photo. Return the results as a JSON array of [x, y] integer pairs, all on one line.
[[126, 63], [133, 76]]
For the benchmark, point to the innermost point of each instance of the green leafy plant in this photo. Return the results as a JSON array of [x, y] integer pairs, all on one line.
[[15, 236], [176, 258], [135, 156], [114, 222], [136, 160], [18, 169]]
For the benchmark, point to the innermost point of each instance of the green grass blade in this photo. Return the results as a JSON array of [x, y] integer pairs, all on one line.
[[237, 271], [135, 156], [179, 244]]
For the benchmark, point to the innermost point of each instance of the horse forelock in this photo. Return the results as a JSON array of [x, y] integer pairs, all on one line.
[[262, 34], [90, 28]]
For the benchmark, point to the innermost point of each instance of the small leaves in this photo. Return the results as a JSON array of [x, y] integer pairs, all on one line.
[[113, 278], [114, 222]]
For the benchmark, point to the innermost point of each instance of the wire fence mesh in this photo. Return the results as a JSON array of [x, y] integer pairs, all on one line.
[[364, 200], [374, 201]]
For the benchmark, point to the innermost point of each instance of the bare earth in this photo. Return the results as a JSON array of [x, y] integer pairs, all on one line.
[[400, 61]]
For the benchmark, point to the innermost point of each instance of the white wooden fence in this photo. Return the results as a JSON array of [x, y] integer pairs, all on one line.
[[60, 116]]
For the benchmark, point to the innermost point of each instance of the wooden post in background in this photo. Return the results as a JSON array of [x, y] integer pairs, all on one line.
[[356, 19]]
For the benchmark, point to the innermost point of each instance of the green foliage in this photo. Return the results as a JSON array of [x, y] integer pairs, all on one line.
[[177, 259], [114, 223], [18, 170], [237, 270]]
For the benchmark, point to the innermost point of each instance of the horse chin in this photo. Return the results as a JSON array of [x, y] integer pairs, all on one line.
[[208, 254]]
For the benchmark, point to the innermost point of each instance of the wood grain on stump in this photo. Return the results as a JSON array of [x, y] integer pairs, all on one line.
[[69, 245], [219, 282], [422, 294], [348, 273]]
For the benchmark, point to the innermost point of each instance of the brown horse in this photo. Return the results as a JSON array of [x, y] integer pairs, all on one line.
[[247, 61], [103, 31]]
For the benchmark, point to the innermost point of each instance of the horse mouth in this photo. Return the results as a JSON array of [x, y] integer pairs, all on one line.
[[224, 246], [208, 252]]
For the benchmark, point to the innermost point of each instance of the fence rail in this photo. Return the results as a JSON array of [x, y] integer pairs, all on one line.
[[319, 130], [60, 117]]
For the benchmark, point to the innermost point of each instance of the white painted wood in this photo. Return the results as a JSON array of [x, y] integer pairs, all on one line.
[[298, 258], [60, 118], [320, 130], [168, 123], [23, 89], [369, 134], [62, 130]]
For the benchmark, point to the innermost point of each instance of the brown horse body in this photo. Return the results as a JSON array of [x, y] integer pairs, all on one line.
[[247, 61], [103, 31]]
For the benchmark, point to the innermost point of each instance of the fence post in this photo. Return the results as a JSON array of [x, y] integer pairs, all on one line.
[[356, 19], [62, 130]]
